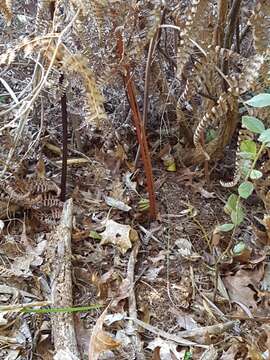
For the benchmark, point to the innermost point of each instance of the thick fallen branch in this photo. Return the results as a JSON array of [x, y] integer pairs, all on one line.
[[62, 323]]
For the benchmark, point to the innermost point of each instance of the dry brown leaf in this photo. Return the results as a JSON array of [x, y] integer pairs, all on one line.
[[123, 292], [234, 349], [100, 340], [239, 286], [210, 354], [167, 349], [120, 235]]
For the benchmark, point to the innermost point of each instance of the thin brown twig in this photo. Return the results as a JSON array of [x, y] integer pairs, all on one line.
[[64, 143], [151, 50]]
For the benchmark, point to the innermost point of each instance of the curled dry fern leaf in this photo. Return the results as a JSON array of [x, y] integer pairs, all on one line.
[[243, 135], [94, 99], [260, 21], [42, 16], [6, 9], [250, 72], [225, 103], [191, 29]]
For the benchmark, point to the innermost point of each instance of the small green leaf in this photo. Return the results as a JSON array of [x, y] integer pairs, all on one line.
[[188, 355], [225, 227], [94, 235], [265, 136], [248, 147], [239, 248], [237, 216], [259, 101], [255, 174], [246, 156], [231, 203], [211, 134], [245, 189], [245, 167], [253, 124]]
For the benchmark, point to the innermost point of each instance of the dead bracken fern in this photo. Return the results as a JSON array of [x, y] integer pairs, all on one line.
[[260, 22], [193, 14], [243, 135], [95, 112], [6, 9]]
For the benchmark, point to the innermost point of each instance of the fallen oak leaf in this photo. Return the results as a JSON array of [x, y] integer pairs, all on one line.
[[118, 234], [240, 286], [100, 340], [166, 349]]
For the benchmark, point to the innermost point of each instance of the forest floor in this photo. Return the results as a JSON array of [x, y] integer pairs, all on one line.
[[186, 279]]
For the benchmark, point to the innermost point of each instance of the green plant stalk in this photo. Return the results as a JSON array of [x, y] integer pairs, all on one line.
[[249, 172], [60, 310], [238, 201]]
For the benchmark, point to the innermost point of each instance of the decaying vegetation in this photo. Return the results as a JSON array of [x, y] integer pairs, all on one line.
[[125, 126]]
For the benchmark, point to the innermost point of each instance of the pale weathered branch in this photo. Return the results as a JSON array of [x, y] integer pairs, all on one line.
[[62, 323]]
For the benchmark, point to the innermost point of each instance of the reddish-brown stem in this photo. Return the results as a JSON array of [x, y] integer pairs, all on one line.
[[140, 131]]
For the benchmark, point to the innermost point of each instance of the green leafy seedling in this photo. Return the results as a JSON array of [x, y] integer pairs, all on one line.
[[250, 154]]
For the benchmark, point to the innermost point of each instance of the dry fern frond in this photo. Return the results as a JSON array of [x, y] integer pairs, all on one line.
[[98, 9], [250, 72], [49, 201], [261, 113], [7, 273], [42, 185], [191, 29], [223, 53], [50, 217], [225, 103], [260, 22], [189, 90], [94, 99], [6, 9], [27, 44], [150, 19], [243, 135], [43, 16], [200, 80]]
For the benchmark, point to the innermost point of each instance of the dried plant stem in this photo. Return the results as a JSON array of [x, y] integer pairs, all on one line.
[[62, 323], [64, 143], [218, 37], [140, 131], [151, 50], [232, 21]]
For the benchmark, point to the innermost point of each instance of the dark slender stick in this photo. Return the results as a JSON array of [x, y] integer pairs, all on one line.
[[232, 22], [64, 127], [64, 142]]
